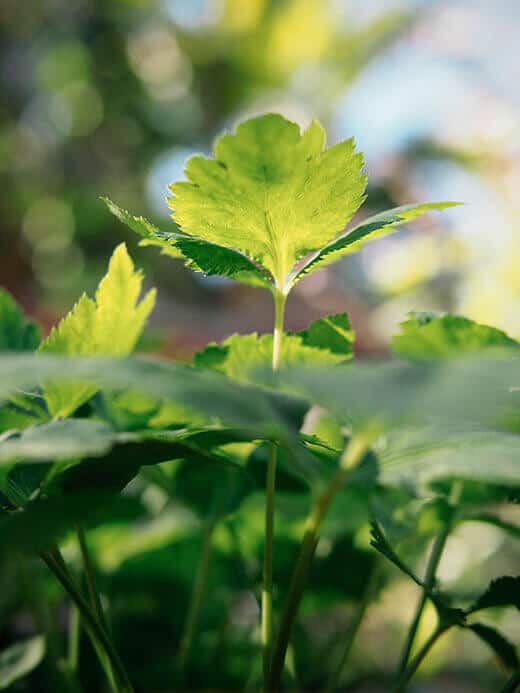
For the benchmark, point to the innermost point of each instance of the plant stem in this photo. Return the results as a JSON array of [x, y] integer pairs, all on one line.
[[197, 596], [429, 578], [95, 602], [353, 454], [90, 578], [74, 639], [419, 657], [336, 675], [513, 684], [97, 634], [270, 488]]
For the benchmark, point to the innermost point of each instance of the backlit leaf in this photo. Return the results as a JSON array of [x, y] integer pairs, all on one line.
[[271, 192], [109, 325], [374, 227], [327, 341]]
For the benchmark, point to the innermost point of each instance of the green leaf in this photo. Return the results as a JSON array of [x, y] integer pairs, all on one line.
[[500, 645], [20, 659], [504, 591], [57, 440], [44, 522], [200, 255], [471, 390], [431, 336], [333, 333], [422, 456], [110, 325], [266, 412], [327, 341], [271, 192], [17, 331], [374, 227]]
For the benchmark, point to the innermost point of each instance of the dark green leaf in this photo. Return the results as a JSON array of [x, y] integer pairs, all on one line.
[[503, 649], [504, 591], [17, 331], [200, 255]]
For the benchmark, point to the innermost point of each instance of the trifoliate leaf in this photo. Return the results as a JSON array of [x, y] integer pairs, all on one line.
[[271, 196], [501, 646], [430, 336], [271, 192], [109, 325], [17, 331], [20, 659], [200, 255], [326, 341], [374, 227]]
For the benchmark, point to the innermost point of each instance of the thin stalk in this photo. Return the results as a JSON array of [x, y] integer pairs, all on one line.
[[74, 640], [513, 684], [270, 488], [90, 578], [95, 602], [353, 629], [97, 634], [419, 657], [197, 597], [429, 578], [353, 454]]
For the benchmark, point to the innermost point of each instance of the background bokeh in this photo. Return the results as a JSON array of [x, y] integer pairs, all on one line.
[[111, 96]]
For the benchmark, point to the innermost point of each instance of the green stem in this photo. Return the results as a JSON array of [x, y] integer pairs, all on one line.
[[353, 629], [95, 601], [429, 578], [96, 632], [74, 639], [90, 578], [513, 684], [419, 657], [353, 454], [270, 488], [197, 597]]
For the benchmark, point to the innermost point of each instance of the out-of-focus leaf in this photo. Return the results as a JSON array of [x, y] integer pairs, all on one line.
[[266, 412], [57, 440], [20, 659], [44, 522], [483, 390], [17, 331], [424, 455], [110, 325], [508, 527], [430, 336], [500, 645], [504, 591]]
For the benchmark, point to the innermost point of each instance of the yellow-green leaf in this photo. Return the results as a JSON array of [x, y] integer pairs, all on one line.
[[110, 325]]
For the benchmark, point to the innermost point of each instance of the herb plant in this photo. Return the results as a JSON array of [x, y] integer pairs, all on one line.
[[91, 436]]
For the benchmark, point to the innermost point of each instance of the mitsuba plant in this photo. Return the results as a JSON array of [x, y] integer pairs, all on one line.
[[415, 449], [270, 207]]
